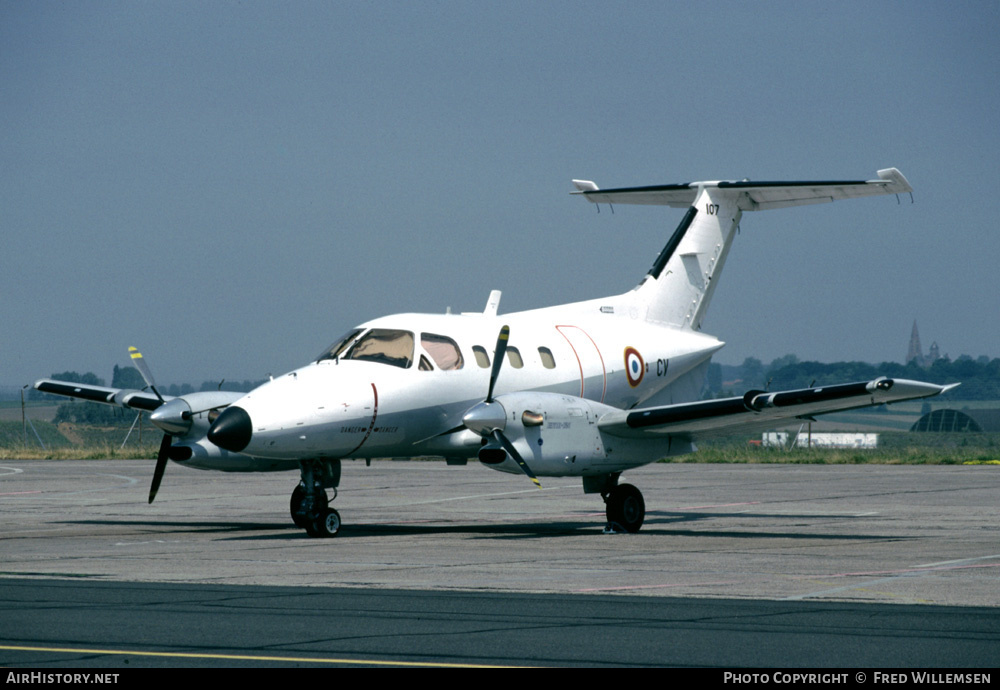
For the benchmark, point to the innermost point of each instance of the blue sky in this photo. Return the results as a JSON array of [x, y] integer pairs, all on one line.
[[230, 186]]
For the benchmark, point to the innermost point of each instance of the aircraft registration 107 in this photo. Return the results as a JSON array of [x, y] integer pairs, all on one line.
[[590, 389]]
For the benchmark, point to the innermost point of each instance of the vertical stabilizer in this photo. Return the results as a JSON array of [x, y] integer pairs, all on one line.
[[678, 288]]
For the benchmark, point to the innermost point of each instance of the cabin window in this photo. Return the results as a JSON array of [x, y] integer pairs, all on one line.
[[443, 350], [548, 361], [514, 357], [482, 359], [384, 345], [339, 345]]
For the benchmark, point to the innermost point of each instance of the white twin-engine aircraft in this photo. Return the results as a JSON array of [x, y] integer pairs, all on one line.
[[590, 389]]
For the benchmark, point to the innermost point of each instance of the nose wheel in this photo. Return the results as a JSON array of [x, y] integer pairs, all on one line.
[[326, 525]]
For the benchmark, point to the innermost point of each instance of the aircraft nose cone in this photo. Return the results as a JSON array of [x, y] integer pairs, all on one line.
[[232, 429]]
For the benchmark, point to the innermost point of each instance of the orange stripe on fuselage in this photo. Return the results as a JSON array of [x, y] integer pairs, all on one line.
[[579, 362], [371, 425]]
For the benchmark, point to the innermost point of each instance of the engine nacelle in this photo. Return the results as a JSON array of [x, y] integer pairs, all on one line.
[[191, 414], [205, 455], [558, 436]]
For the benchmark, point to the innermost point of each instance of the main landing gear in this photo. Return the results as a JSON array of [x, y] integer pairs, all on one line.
[[625, 508], [310, 505]]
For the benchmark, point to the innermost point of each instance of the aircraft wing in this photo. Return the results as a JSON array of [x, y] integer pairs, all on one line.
[[122, 397], [752, 195], [760, 408]]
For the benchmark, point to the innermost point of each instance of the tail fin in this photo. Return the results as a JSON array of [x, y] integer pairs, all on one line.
[[679, 286]]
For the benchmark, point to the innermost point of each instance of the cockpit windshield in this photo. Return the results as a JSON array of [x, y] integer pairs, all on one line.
[[339, 345], [384, 345], [443, 349]]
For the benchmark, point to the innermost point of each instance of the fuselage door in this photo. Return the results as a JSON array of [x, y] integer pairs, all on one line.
[[593, 373]]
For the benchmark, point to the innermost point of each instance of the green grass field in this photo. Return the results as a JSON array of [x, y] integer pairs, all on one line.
[[75, 441]]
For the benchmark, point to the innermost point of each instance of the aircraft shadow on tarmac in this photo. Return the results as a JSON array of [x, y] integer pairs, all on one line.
[[660, 523]]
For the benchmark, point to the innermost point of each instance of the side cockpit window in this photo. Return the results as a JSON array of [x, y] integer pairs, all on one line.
[[482, 359], [443, 350], [385, 346], [340, 345], [548, 361], [514, 357]]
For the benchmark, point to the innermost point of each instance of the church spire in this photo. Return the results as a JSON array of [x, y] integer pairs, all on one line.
[[915, 352]]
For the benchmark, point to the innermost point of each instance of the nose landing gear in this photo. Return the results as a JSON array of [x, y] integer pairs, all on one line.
[[309, 504]]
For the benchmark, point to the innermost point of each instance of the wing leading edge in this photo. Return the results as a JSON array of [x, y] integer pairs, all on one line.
[[756, 408], [122, 397]]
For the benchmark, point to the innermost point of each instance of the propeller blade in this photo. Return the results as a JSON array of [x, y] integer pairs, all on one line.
[[498, 354], [509, 447], [453, 430], [144, 371], [161, 464]]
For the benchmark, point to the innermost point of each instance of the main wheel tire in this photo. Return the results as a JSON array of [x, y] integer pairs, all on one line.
[[326, 525], [295, 504], [626, 508]]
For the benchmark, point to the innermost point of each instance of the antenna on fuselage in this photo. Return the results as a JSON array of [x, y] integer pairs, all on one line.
[[493, 303]]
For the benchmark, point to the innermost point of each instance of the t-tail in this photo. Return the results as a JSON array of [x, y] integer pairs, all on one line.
[[679, 286]]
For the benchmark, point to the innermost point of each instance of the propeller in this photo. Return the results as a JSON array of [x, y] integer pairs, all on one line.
[[164, 417], [161, 464], [509, 447], [175, 417], [489, 418], [144, 371], [498, 355]]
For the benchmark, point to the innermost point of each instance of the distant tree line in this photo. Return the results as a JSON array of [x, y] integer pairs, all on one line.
[[94, 414], [980, 378]]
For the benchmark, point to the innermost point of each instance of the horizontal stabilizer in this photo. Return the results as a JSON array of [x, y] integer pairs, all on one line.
[[760, 408], [750, 195]]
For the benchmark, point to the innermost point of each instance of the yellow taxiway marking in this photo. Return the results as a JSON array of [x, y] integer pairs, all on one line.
[[244, 657]]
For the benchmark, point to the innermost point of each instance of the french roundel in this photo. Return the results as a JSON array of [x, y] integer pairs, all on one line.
[[635, 368]]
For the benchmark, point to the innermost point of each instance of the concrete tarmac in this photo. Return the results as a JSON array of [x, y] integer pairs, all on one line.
[[60, 623], [866, 535]]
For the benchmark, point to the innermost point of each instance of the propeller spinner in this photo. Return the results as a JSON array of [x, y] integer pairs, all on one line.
[[489, 418]]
